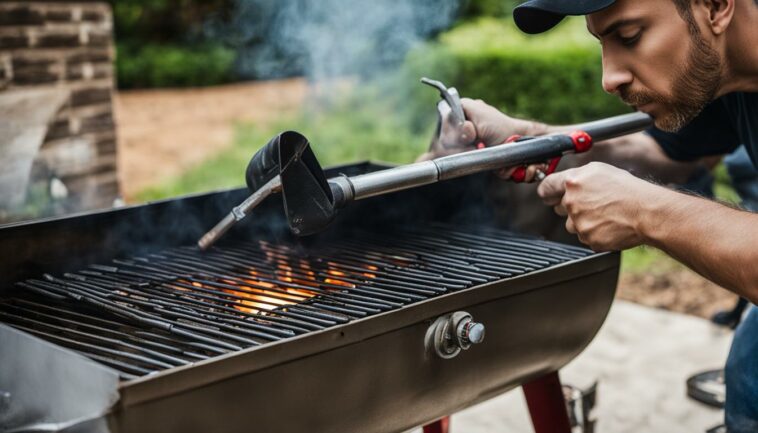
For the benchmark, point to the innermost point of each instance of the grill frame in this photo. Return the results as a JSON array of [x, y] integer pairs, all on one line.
[[396, 336]]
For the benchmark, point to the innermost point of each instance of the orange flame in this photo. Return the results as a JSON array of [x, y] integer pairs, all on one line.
[[338, 282]]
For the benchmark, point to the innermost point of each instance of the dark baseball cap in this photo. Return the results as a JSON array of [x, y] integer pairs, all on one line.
[[537, 16]]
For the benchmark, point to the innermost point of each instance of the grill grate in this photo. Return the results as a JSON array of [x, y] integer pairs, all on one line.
[[178, 306]]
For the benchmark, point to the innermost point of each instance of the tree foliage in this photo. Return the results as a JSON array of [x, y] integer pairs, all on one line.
[[164, 21]]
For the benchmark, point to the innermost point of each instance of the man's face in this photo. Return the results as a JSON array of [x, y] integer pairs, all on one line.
[[655, 61]]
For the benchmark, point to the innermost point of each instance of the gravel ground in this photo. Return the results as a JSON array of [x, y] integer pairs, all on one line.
[[679, 290]]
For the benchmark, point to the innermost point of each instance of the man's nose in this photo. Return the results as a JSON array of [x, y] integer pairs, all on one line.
[[614, 75]]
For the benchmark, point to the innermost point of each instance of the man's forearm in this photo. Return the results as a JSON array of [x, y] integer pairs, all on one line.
[[719, 242]]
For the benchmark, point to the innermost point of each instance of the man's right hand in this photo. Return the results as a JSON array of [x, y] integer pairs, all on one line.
[[493, 128]]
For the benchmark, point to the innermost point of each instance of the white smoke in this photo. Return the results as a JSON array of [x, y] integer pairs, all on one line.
[[323, 39]]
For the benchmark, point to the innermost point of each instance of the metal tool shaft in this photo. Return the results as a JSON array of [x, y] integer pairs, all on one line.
[[478, 161], [239, 212], [345, 189]]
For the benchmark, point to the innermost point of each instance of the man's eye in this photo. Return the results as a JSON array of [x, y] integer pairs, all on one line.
[[629, 41]]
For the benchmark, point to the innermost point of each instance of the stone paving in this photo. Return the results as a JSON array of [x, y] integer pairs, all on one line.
[[642, 358]]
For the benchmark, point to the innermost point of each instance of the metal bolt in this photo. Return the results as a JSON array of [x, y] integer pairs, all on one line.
[[469, 332], [475, 332], [5, 401]]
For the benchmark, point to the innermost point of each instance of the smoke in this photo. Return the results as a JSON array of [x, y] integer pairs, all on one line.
[[324, 39]]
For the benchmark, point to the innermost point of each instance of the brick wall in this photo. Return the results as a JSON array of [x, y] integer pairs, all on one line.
[[68, 45]]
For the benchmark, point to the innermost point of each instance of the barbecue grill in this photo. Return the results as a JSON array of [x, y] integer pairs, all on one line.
[[115, 321]]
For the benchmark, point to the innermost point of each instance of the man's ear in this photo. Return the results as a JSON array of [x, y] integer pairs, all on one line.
[[720, 14]]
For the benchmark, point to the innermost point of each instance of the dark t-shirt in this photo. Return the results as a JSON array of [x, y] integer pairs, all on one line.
[[723, 126]]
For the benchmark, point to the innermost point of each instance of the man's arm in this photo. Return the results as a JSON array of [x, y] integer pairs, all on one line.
[[609, 209], [638, 153], [717, 241]]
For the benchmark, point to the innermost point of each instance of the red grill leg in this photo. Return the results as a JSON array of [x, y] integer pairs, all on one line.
[[441, 426], [544, 396]]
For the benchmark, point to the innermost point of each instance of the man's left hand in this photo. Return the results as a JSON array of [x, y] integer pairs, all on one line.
[[604, 204]]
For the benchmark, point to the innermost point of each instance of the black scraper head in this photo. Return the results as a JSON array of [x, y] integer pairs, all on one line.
[[308, 200]]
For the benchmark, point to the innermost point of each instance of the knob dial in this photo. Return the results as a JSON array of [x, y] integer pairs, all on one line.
[[469, 332], [452, 333], [472, 332]]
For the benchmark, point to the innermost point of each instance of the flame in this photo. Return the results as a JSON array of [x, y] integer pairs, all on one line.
[[338, 282], [301, 292], [252, 307], [269, 286], [255, 296], [256, 303]]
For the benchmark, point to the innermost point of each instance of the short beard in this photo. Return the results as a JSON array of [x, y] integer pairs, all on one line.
[[694, 87]]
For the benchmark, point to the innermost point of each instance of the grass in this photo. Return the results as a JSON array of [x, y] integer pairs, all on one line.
[[644, 259]]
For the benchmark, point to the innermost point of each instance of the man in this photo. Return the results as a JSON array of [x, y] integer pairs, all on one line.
[[693, 66]]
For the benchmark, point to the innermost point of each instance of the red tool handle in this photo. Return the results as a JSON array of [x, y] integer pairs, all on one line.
[[582, 143]]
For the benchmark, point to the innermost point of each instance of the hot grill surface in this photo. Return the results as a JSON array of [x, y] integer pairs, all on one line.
[[177, 306]]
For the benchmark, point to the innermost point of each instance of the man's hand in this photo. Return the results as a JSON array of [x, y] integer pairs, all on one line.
[[492, 126], [603, 204], [453, 137], [484, 124]]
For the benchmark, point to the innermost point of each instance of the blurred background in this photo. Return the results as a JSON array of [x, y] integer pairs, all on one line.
[[129, 101]]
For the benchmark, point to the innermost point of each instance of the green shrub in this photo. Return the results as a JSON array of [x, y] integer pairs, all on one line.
[[489, 8], [555, 77], [173, 66]]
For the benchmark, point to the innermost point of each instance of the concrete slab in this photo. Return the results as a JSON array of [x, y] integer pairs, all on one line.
[[642, 358]]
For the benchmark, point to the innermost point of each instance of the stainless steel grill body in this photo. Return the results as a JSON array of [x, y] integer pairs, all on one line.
[[336, 360]]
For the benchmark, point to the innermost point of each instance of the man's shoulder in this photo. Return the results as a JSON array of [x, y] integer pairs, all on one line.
[[737, 102], [742, 109], [712, 132]]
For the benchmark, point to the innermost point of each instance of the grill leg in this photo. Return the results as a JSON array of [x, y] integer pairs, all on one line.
[[441, 426], [547, 407]]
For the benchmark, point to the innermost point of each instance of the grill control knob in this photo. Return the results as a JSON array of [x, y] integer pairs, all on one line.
[[452, 333], [470, 332]]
